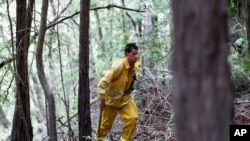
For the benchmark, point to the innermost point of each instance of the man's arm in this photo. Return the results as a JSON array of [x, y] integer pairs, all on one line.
[[104, 84]]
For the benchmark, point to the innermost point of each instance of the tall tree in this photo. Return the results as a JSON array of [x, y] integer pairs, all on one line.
[[41, 74], [248, 24], [202, 90], [22, 128], [83, 90]]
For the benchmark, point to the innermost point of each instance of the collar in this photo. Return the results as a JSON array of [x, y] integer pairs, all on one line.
[[126, 63]]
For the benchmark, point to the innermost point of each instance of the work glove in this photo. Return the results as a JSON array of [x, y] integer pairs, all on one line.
[[102, 103]]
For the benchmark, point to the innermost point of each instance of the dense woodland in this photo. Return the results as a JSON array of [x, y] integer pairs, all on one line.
[[194, 77]]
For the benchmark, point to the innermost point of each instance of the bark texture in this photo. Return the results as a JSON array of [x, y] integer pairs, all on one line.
[[248, 25], [42, 77], [83, 89], [21, 127], [202, 85]]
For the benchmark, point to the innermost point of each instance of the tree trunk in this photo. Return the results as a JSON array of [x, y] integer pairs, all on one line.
[[37, 99], [42, 77], [202, 89], [248, 25], [148, 36], [83, 90], [22, 128], [5, 122], [100, 34]]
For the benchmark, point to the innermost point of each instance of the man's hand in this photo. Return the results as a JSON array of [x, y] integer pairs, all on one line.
[[102, 103]]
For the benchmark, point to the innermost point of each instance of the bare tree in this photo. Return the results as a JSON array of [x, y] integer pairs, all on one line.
[[83, 90], [202, 92], [22, 128], [41, 74]]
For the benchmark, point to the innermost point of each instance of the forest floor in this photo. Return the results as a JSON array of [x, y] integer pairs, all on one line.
[[153, 97], [242, 110], [156, 120]]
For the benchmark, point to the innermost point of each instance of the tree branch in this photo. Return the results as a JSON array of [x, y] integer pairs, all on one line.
[[5, 62], [116, 6], [96, 8]]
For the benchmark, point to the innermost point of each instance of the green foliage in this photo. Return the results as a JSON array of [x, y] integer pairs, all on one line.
[[2, 14], [104, 50], [245, 63], [239, 64], [239, 54], [6, 81], [232, 7], [239, 61]]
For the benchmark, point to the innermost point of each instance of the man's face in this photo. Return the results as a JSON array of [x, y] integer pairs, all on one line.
[[132, 56]]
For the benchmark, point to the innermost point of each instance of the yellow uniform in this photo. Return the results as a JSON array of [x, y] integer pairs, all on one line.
[[114, 88]]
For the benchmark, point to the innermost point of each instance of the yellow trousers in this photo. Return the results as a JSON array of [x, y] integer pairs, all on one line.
[[128, 113]]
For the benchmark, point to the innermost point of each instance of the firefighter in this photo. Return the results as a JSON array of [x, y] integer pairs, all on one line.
[[115, 95]]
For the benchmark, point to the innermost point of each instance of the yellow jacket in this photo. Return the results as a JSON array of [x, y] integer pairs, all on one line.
[[116, 82]]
